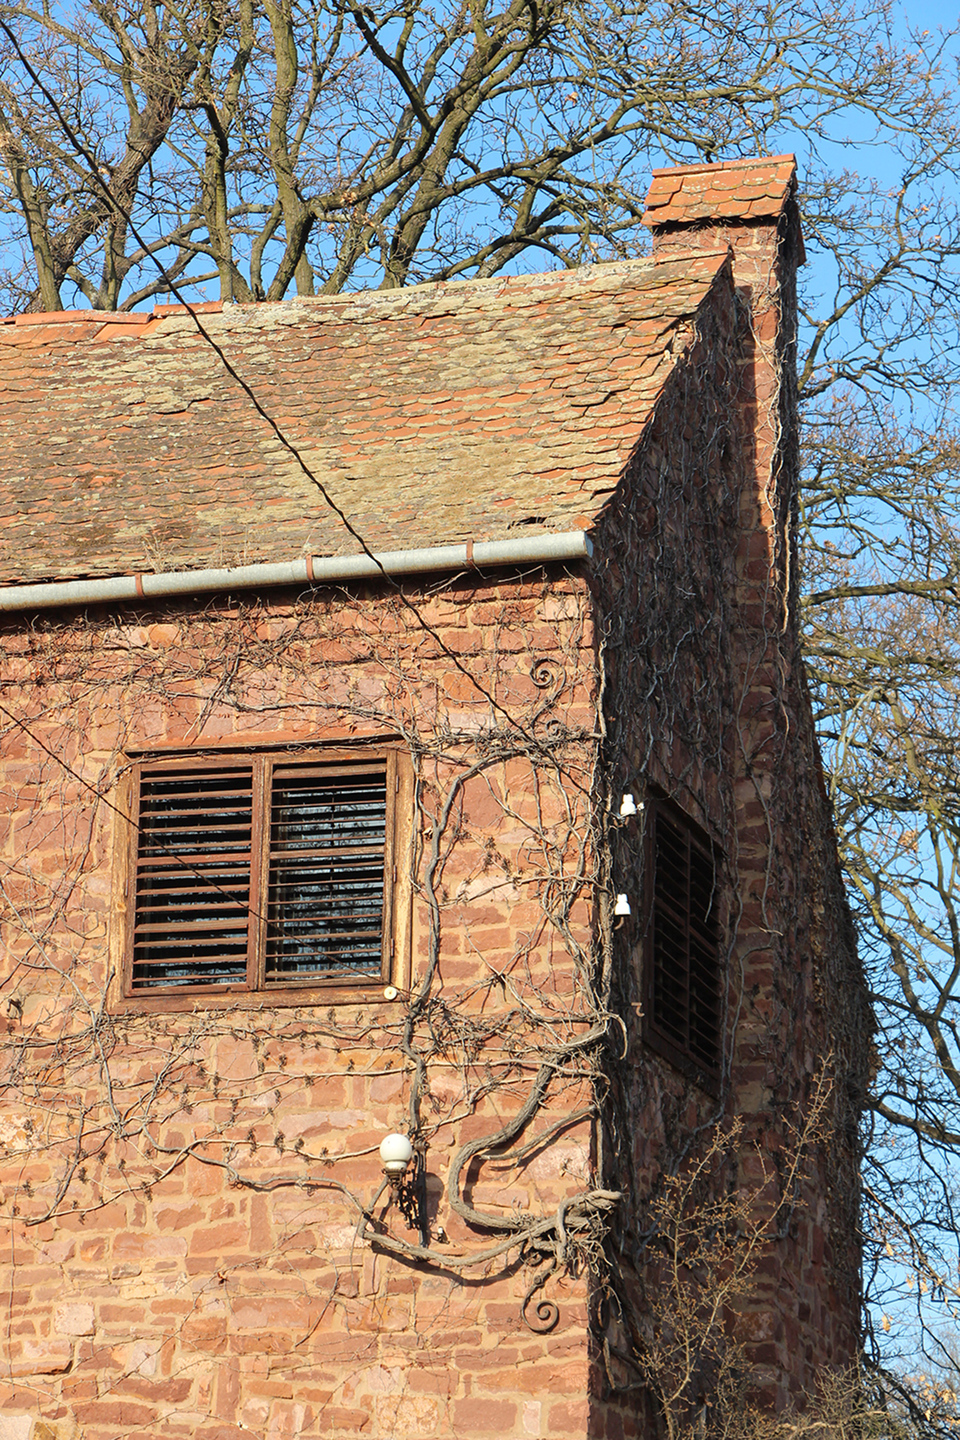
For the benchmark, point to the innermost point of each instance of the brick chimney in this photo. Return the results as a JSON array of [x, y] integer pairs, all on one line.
[[749, 207]]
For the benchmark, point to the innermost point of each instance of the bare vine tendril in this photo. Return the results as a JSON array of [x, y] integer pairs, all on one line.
[[547, 1312]]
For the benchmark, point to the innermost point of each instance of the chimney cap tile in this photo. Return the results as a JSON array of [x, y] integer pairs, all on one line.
[[744, 162], [747, 188]]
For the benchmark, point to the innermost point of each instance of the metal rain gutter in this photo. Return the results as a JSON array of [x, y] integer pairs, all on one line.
[[309, 570]]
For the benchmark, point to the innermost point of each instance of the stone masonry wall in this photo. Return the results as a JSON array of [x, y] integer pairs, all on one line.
[[706, 703], [180, 1192]]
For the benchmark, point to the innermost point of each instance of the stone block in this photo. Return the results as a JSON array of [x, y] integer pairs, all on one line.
[[74, 1318]]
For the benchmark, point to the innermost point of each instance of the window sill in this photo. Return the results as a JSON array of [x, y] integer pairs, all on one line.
[[369, 991]]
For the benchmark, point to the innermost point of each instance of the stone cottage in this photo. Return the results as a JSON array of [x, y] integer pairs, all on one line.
[[404, 738]]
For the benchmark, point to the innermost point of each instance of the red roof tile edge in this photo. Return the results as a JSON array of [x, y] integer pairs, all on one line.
[[112, 317], [202, 307], [684, 195], [749, 162], [73, 317]]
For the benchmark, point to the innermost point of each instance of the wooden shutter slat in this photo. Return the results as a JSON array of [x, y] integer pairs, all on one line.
[[334, 770]]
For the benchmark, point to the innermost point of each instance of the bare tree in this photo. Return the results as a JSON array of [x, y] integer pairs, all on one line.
[[883, 618], [274, 143]]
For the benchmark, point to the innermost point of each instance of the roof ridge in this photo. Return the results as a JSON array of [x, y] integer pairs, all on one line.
[[108, 324]]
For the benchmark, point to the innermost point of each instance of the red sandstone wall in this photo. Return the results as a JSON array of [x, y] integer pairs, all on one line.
[[167, 1294]]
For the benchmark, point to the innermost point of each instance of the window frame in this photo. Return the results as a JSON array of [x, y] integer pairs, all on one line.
[[253, 992], [660, 1037]]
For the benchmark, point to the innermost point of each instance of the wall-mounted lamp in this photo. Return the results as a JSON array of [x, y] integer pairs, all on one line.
[[396, 1152], [622, 906], [409, 1192], [628, 806]]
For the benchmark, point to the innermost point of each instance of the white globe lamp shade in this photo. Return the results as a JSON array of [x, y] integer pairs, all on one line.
[[396, 1152]]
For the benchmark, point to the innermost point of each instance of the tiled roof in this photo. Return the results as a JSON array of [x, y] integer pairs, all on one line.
[[752, 189], [432, 415]]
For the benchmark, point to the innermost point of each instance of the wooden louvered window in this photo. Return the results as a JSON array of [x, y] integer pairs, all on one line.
[[257, 873], [683, 975]]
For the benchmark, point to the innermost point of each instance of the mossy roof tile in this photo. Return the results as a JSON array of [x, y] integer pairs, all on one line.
[[429, 415]]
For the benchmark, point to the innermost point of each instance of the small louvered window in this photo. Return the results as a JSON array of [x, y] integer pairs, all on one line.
[[683, 989], [256, 873]]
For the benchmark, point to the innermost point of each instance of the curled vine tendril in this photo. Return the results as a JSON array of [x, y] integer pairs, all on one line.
[[549, 676], [547, 1312], [547, 673]]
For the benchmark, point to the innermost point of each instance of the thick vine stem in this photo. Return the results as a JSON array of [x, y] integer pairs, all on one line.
[[489, 1143], [579, 1215]]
